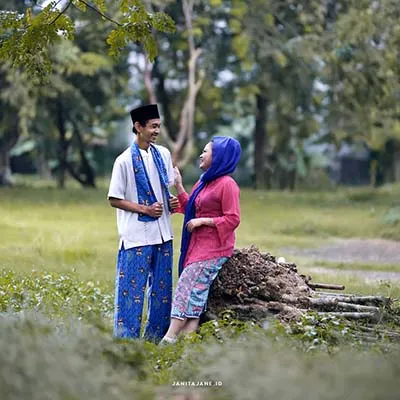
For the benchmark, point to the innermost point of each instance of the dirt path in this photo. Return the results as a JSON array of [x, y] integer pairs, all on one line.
[[368, 251], [368, 276]]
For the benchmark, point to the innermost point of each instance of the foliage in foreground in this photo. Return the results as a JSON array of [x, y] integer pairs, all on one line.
[[67, 359], [55, 294], [52, 348], [26, 38]]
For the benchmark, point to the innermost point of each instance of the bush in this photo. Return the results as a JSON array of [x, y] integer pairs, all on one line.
[[69, 353], [43, 360], [55, 294]]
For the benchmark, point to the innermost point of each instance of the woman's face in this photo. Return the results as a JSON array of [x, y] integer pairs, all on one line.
[[206, 157]]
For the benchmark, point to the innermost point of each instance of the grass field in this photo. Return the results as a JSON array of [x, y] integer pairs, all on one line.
[[55, 336], [43, 228]]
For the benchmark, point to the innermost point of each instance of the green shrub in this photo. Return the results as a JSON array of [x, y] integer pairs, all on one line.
[[55, 294], [45, 360], [392, 217]]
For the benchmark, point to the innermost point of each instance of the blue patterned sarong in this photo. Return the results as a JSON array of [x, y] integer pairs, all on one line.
[[136, 267]]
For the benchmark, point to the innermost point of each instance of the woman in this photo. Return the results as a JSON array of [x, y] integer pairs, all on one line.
[[212, 214]]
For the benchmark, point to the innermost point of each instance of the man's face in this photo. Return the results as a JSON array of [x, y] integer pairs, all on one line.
[[150, 131]]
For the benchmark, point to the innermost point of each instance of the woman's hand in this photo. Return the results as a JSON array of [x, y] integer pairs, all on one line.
[[197, 222], [193, 224], [177, 177], [178, 181]]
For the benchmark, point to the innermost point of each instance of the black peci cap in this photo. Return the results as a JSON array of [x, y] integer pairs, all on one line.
[[145, 113]]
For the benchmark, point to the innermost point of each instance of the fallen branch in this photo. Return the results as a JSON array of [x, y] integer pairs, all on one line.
[[357, 307], [352, 315], [325, 286], [380, 332], [335, 303], [351, 298]]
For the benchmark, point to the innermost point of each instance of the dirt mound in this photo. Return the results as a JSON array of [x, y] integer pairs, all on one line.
[[255, 285]]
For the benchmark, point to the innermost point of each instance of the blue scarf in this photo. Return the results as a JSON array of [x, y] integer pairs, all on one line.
[[145, 192], [225, 157]]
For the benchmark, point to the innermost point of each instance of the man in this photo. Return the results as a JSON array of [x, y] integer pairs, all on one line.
[[139, 190]]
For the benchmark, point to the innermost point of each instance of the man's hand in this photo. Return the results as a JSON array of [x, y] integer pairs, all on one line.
[[155, 210], [173, 202]]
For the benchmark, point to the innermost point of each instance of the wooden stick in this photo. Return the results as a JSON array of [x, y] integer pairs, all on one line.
[[351, 315], [357, 307], [325, 286], [335, 302], [356, 299], [331, 294], [390, 334], [321, 301]]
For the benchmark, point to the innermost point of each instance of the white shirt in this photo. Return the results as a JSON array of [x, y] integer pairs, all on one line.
[[132, 232]]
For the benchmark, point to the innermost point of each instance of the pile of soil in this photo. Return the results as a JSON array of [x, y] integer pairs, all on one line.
[[255, 285]]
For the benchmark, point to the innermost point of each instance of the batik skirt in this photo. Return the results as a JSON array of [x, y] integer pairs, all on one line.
[[193, 287], [136, 267]]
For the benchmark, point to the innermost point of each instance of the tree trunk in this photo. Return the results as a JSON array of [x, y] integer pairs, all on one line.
[[62, 146], [181, 143], [42, 162], [292, 179], [260, 140], [5, 167], [8, 139], [396, 166], [281, 177], [85, 169], [164, 100]]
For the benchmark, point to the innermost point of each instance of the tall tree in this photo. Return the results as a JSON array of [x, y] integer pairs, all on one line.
[[17, 107], [83, 94], [273, 40], [184, 51], [362, 72], [28, 32]]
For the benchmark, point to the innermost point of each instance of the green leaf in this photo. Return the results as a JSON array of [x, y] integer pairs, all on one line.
[[269, 19], [80, 5], [101, 5], [241, 44], [280, 59], [216, 3]]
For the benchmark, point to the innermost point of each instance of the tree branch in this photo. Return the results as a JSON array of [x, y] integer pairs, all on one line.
[[61, 12], [74, 174], [99, 12], [153, 98]]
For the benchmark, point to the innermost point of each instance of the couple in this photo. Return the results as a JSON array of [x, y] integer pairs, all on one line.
[[139, 190]]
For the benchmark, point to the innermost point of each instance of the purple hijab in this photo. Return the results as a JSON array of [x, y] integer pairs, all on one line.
[[225, 157]]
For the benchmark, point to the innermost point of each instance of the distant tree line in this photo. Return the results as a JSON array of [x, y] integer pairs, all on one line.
[[273, 73]]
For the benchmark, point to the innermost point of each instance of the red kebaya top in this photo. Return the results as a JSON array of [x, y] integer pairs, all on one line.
[[219, 200]]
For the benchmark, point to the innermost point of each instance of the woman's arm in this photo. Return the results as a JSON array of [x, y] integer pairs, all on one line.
[[183, 197], [230, 203], [230, 219]]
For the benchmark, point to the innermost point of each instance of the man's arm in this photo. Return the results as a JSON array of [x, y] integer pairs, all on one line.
[[116, 194], [155, 210]]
